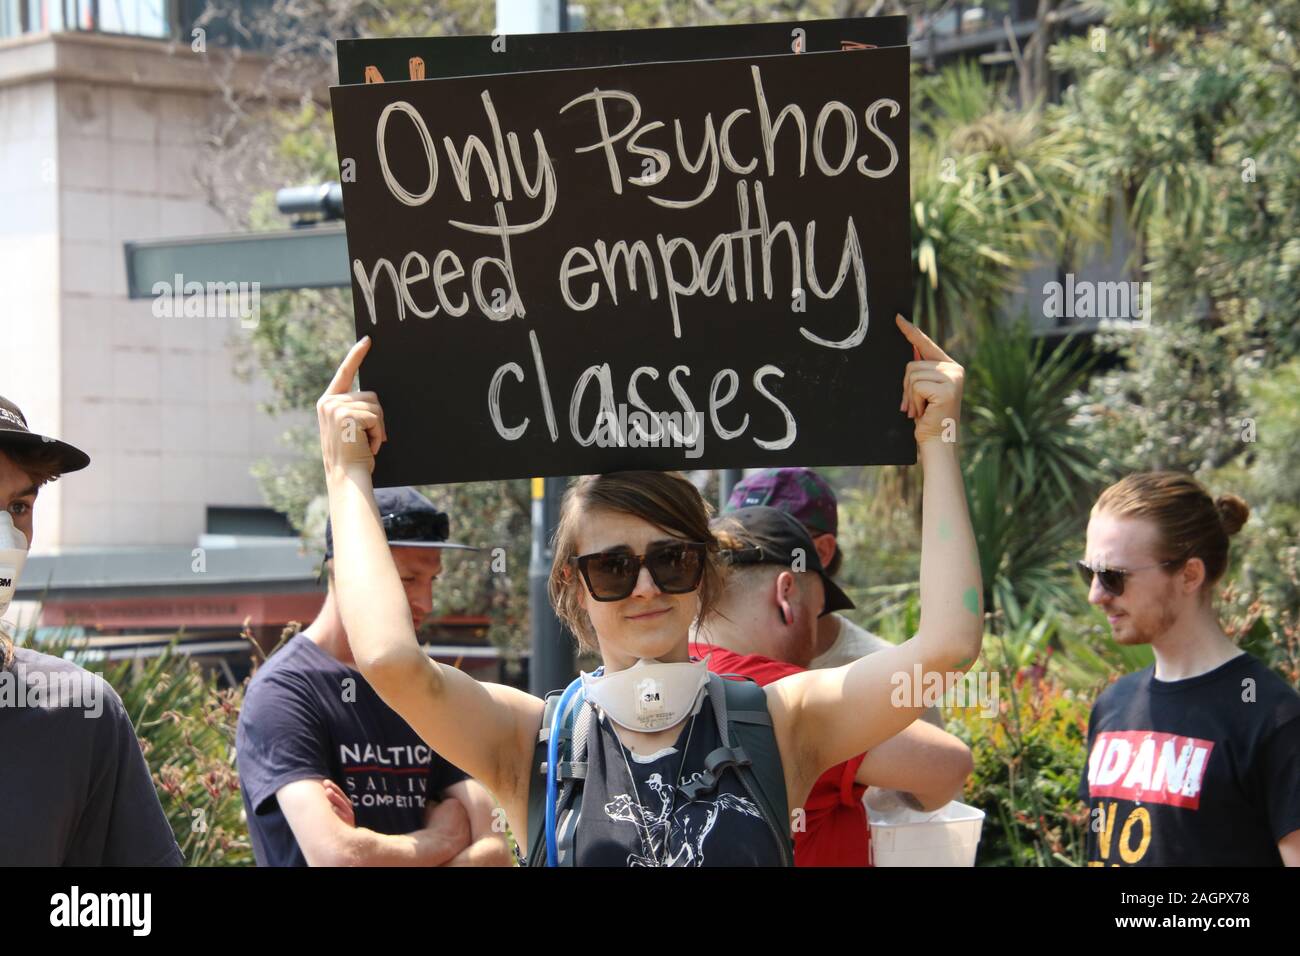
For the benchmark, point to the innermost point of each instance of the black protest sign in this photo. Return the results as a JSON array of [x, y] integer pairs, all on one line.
[[391, 59], [680, 265]]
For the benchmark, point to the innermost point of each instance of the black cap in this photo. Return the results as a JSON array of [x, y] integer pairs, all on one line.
[[410, 520], [772, 537], [14, 433]]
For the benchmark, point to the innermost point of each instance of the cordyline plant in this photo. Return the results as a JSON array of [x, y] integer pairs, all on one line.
[[186, 727]]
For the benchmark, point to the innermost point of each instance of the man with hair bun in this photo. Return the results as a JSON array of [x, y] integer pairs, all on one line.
[[1194, 761]]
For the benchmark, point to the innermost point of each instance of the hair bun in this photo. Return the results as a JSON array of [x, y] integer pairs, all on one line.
[[1233, 512]]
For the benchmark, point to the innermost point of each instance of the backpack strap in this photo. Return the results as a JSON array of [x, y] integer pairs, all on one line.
[[571, 772], [749, 748], [536, 855], [572, 775]]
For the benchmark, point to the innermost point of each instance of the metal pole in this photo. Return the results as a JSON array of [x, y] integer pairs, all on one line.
[[728, 478], [552, 665]]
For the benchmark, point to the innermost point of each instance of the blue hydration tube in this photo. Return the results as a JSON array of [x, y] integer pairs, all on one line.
[[552, 768]]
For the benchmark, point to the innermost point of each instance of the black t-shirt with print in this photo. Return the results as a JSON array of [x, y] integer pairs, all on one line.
[[308, 716], [1197, 772], [623, 825]]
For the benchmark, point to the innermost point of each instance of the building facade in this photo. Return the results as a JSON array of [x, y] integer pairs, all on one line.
[[99, 139]]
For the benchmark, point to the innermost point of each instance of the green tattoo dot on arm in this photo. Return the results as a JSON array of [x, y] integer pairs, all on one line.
[[945, 530], [972, 600]]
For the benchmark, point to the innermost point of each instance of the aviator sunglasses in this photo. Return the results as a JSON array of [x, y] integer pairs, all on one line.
[[676, 567], [1112, 579]]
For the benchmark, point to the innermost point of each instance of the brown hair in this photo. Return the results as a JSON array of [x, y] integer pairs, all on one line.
[[42, 463], [6, 649], [665, 499], [1188, 523]]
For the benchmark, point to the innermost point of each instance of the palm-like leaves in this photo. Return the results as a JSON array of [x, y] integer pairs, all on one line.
[[991, 191], [968, 244], [1019, 416], [1023, 538], [1029, 470]]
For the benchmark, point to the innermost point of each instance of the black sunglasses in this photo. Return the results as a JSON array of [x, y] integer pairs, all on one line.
[[417, 526], [676, 567], [1112, 579]]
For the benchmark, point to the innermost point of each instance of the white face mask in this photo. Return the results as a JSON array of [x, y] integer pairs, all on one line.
[[13, 555], [649, 695]]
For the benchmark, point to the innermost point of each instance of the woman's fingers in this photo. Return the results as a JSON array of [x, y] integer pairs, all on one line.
[[927, 388], [921, 342], [912, 369], [347, 371], [345, 418], [931, 379], [924, 375], [925, 391], [369, 422], [342, 413], [926, 352], [370, 402]]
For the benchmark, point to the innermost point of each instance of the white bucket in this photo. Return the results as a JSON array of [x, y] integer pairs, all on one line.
[[948, 836]]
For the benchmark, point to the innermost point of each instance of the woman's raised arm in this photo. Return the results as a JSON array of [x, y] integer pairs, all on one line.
[[827, 716], [487, 730]]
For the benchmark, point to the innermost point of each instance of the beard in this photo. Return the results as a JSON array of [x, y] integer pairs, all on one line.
[[1151, 623]]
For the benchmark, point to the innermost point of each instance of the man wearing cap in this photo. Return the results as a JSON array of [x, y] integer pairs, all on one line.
[[765, 628], [803, 493], [331, 776], [74, 786]]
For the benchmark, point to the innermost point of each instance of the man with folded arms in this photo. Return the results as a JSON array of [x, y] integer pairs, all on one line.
[[331, 776]]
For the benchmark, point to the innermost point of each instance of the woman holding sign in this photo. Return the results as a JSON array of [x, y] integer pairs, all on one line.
[[657, 765]]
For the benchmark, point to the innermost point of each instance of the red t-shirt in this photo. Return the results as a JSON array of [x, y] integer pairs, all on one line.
[[835, 821]]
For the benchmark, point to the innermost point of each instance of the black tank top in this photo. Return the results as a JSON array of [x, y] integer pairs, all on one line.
[[653, 823]]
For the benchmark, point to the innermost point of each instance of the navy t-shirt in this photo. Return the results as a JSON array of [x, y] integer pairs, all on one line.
[[308, 716], [1197, 772]]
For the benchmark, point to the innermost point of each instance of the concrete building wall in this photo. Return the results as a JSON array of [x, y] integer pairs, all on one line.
[[30, 331], [99, 137]]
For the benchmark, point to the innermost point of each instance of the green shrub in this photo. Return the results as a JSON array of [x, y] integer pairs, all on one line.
[[1264, 625], [186, 726], [1028, 762]]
